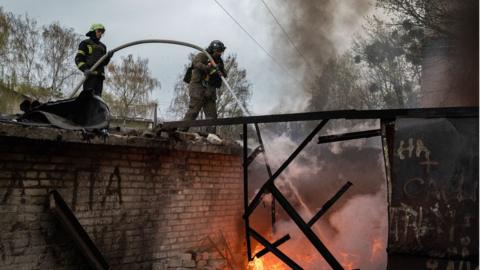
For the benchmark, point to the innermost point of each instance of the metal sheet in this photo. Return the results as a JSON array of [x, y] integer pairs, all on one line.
[[433, 212], [73, 228]]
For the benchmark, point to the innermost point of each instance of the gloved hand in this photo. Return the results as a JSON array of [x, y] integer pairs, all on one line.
[[213, 71], [110, 54]]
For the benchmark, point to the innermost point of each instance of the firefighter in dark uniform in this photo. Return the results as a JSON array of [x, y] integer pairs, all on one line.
[[205, 79], [89, 52]]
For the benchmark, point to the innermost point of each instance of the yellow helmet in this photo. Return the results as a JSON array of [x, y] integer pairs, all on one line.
[[97, 26]]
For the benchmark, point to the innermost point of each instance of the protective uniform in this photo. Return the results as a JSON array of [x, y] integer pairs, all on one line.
[[89, 52], [203, 85]]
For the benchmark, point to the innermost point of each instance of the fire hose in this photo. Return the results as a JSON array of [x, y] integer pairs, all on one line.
[[164, 41]]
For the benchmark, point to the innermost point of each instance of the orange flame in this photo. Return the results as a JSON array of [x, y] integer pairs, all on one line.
[[268, 262], [377, 246], [349, 261], [256, 264]]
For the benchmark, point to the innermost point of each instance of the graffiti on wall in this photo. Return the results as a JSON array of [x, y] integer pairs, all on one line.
[[434, 203]]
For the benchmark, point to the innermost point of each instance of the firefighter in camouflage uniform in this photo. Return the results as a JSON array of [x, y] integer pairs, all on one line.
[[204, 81]]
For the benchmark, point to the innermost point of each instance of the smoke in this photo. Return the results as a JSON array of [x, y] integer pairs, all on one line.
[[319, 30], [355, 228], [322, 30], [362, 231]]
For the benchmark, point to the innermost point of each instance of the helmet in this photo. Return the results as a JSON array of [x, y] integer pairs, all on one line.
[[216, 45], [97, 26]]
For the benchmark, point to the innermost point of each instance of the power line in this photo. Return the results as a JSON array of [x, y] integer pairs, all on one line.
[[256, 42], [285, 32]]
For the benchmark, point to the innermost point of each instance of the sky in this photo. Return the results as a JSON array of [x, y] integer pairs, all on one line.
[[195, 21]]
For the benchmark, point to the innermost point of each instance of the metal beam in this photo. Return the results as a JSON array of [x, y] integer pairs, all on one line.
[[254, 154], [450, 112], [75, 230], [329, 203], [349, 136], [307, 231], [275, 250], [277, 243], [314, 219], [256, 200]]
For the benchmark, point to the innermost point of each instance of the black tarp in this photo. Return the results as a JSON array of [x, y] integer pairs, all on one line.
[[85, 112]]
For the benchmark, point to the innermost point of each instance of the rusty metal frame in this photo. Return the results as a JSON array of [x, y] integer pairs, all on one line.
[[269, 186]]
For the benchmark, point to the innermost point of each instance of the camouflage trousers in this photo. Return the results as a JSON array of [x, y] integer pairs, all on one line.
[[202, 98]]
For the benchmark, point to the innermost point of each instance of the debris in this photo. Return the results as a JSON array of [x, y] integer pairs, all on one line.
[[214, 139]]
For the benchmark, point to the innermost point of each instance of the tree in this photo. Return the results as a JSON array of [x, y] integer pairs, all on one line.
[[438, 17], [131, 84], [226, 104], [4, 35], [59, 44], [340, 87], [20, 56], [390, 66], [24, 44]]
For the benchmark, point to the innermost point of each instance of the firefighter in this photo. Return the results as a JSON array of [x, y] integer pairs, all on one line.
[[89, 52], [204, 81]]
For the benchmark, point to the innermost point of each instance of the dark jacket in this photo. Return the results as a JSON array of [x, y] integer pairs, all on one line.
[[89, 52], [202, 73]]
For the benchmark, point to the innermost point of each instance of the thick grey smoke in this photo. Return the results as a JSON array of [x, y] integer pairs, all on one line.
[[319, 30]]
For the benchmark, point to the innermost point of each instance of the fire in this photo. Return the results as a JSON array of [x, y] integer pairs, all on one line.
[[348, 261], [256, 264], [377, 247], [308, 258], [267, 262]]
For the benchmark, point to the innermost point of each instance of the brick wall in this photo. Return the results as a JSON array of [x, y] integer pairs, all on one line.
[[144, 207]]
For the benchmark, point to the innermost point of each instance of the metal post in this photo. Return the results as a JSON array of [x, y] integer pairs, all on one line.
[[269, 171], [245, 188], [155, 116]]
